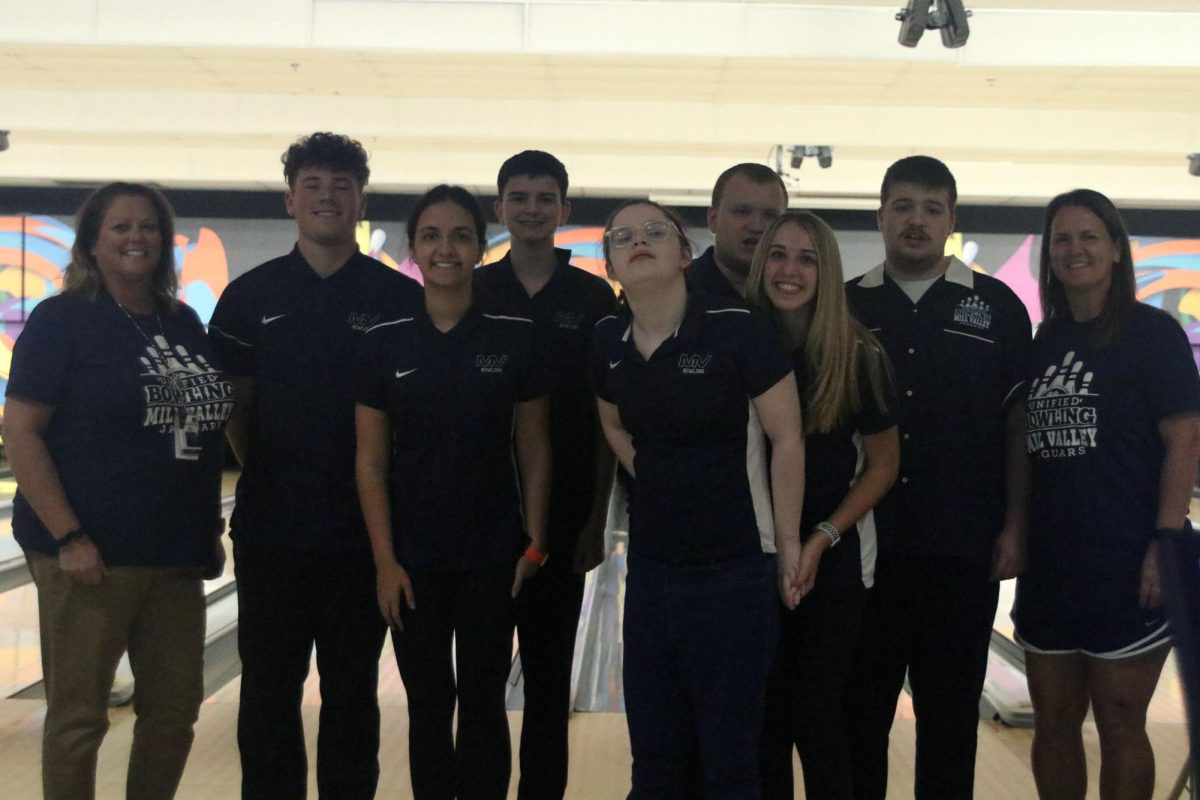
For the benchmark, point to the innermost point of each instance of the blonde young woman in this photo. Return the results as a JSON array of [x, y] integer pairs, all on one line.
[[852, 454]]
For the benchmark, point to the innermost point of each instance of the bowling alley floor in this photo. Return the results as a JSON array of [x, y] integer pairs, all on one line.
[[600, 761]]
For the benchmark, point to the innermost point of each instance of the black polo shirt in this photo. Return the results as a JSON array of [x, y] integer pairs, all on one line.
[[703, 275], [297, 335], [701, 492], [450, 399], [959, 357], [564, 311], [832, 463]]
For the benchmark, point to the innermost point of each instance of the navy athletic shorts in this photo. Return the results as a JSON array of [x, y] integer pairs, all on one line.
[[1106, 622]]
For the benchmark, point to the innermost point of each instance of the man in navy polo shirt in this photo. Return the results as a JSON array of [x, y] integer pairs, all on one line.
[[745, 198], [953, 524], [287, 333], [537, 280]]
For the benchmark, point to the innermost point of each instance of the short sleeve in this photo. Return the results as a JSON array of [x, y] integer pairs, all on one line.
[[763, 363], [874, 417], [1017, 340], [602, 349], [1171, 382], [233, 329], [42, 355], [370, 386]]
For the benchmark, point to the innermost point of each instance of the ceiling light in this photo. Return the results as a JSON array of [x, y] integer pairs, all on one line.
[[947, 16], [822, 152]]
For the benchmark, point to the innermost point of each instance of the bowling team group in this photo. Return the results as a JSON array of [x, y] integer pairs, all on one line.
[[825, 481]]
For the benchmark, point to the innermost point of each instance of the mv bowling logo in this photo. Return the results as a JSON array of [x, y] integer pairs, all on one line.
[[568, 320], [1062, 411], [362, 322], [493, 365], [693, 364], [974, 313]]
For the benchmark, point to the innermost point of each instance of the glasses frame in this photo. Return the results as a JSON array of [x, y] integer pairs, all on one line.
[[668, 226]]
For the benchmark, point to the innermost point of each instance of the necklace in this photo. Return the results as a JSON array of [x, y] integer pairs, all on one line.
[[141, 332]]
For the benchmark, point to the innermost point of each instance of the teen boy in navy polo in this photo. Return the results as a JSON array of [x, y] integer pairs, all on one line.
[[536, 279], [953, 524], [287, 333], [745, 198]]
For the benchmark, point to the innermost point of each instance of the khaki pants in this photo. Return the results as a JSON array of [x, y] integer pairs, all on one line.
[[157, 614]]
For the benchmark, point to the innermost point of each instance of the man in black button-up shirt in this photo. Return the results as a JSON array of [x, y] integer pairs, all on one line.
[[953, 524]]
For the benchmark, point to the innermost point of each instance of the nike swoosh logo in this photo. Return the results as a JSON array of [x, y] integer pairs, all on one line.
[[614, 364], [400, 374], [268, 320]]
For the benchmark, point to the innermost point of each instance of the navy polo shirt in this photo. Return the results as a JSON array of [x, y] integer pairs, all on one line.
[[700, 492], [564, 311], [136, 434], [703, 275], [450, 398], [297, 335], [959, 356], [832, 462]]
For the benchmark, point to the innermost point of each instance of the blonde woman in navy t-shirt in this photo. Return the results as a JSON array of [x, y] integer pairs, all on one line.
[[114, 427]]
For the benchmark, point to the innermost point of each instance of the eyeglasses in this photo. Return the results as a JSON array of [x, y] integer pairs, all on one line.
[[656, 230]]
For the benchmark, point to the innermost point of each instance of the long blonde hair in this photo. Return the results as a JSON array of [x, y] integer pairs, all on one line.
[[835, 341]]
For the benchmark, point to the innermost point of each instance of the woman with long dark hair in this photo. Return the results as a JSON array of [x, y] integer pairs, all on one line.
[[1113, 437], [448, 397]]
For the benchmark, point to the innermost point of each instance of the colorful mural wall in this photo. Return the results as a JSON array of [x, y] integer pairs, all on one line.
[[34, 251]]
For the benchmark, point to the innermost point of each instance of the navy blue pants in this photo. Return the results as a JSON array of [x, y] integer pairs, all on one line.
[[698, 647]]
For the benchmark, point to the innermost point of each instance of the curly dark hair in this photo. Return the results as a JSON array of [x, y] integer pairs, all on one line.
[[323, 149]]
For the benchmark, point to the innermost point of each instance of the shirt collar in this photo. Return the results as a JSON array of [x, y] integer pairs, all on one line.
[[957, 272]]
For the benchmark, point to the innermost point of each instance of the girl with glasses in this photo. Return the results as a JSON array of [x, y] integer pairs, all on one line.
[[687, 386]]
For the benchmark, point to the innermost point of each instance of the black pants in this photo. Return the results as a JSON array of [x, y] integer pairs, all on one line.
[[474, 609], [805, 695], [547, 619], [932, 617], [287, 602]]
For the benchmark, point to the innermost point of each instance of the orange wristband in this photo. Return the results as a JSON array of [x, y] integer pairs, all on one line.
[[533, 555]]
